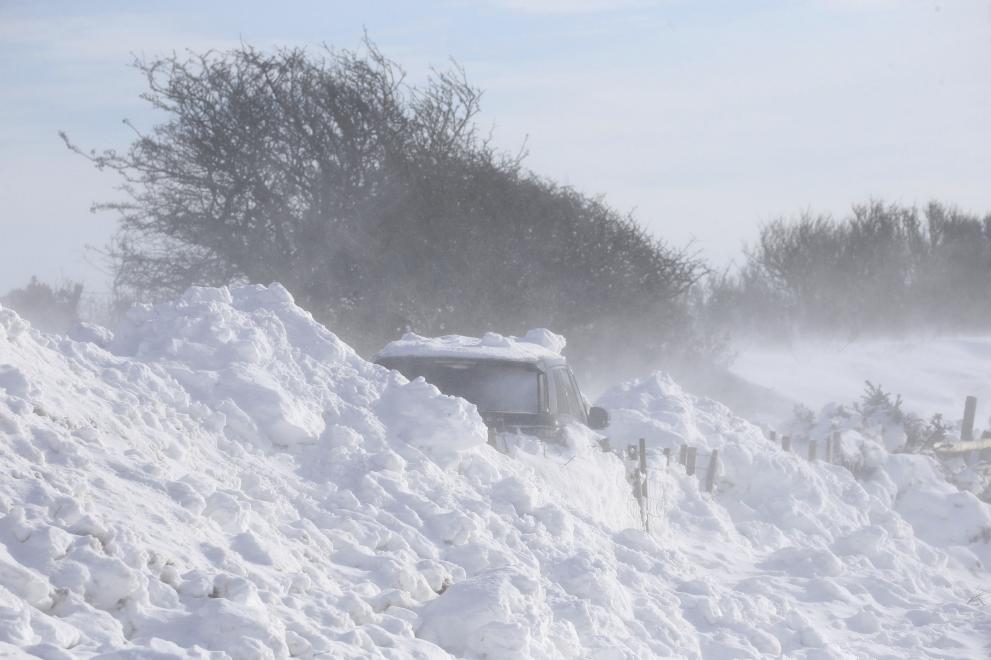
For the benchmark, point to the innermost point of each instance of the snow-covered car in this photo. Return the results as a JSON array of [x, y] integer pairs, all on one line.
[[517, 383]]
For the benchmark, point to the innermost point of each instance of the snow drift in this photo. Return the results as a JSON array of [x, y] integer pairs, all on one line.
[[223, 477]]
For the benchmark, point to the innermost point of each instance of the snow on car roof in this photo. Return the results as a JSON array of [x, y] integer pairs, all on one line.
[[537, 344]]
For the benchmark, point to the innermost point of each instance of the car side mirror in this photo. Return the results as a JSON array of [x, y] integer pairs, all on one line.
[[598, 418]]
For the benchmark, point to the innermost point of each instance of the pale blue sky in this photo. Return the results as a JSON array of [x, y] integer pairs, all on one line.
[[705, 118]]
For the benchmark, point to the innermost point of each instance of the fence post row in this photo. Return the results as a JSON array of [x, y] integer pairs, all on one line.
[[832, 452], [688, 456]]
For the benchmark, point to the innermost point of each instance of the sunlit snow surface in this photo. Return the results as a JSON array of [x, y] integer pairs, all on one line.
[[933, 375], [226, 478]]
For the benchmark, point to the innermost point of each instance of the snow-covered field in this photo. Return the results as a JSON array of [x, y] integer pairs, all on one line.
[[223, 477], [933, 374]]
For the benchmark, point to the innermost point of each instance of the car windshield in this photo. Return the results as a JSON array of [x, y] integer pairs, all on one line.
[[492, 386]]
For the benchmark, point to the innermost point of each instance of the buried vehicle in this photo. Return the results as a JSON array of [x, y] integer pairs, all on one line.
[[519, 384]]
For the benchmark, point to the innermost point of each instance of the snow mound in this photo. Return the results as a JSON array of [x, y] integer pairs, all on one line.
[[840, 558], [226, 478], [222, 477], [534, 345]]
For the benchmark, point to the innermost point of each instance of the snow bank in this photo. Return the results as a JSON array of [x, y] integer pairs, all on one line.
[[223, 477], [854, 567], [208, 479]]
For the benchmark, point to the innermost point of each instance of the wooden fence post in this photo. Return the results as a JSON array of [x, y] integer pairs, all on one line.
[[774, 436], [644, 508], [690, 460], [828, 456], [812, 450], [969, 410], [682, 454], [786, 442], [667, 457], [710, 476]]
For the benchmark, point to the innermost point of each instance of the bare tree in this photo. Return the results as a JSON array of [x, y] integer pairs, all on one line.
[[379, 204]]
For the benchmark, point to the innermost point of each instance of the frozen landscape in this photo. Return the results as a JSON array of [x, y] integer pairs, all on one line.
[[495, 330], [221, 476]]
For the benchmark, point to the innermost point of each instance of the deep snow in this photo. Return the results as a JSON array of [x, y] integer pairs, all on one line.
[[223, 477]]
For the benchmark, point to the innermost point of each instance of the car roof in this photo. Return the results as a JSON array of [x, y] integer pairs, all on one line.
[[539, 347]]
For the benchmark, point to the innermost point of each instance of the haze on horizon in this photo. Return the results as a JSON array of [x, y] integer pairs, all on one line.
[[704, 120]]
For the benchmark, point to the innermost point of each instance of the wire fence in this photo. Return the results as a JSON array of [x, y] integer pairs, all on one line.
[[647, 469]]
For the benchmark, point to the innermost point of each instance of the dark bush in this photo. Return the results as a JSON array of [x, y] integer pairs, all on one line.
[[885, 269], [48, 308]]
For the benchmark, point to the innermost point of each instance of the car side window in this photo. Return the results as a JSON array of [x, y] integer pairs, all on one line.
[[566, 395], [579, 398]]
